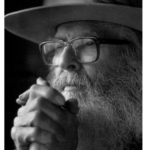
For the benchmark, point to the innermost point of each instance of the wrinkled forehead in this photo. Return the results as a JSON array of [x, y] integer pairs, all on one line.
[[88, 28]]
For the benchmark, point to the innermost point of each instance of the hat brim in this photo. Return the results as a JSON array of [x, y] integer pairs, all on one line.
[[37, 24]]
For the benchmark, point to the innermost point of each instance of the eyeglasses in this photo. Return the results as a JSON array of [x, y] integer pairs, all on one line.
[[86, 49]]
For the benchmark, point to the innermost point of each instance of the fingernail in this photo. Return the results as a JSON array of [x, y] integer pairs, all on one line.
[[41, 81], [20, 96], [39, 78], [20, 102]]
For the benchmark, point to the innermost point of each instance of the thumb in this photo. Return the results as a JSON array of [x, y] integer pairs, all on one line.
[[41, 81], [72, 106]]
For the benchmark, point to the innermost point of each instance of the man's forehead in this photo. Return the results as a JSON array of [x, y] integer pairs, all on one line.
[[86, 28]]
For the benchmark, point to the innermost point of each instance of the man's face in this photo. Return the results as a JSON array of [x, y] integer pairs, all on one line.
[[108, 90], [108, 54]]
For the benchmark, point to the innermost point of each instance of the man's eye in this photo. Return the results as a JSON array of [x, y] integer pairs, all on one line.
[[58, 46], [90, 43]]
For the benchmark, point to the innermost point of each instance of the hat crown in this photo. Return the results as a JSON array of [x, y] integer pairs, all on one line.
[[133, 3]]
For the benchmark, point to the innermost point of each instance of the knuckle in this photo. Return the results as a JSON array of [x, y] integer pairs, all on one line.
[[49, 91], [33, 87], [38, 114], [15, 121], [36, 118], [36, 133], [19, 111], [35, 146], [13, 132], [33, 135], [39, 101], [16, 135]]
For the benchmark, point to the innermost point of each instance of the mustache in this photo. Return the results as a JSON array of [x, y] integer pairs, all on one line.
[[69, 78]]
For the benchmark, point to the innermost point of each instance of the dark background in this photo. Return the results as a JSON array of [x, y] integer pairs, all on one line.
[[23, 64]]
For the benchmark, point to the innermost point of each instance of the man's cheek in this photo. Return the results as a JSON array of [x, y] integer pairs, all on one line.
[[92, 70], [53, 74], [57, 71]]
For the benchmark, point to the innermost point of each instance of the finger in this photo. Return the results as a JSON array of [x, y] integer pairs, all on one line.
[[72, 106], [37, 146], [47, 93], [41, 81], [53, 111], [21, 111], [22, 147], [41, 120], [22, 99], [26, 135], [20, 102], [44, 105]]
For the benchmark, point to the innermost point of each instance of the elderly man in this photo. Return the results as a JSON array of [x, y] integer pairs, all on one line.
[[92, 98]]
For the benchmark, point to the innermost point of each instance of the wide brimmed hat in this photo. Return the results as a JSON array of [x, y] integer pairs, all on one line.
[[37, 24]]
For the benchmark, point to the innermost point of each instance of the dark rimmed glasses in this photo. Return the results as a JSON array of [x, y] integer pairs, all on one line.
[[86, 49]]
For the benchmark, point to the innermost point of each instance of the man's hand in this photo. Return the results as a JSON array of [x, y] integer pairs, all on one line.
[[46, 122]]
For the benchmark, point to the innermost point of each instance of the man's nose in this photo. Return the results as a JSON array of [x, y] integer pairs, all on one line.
[[68, 61]]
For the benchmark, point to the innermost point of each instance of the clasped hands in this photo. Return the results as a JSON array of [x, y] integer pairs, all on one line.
[[46, 121]]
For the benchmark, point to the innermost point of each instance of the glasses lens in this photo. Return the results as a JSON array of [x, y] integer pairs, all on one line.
[[86, 50], [50, 50]]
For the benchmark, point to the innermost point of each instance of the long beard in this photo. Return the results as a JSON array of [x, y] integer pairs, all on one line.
[[110, 107]]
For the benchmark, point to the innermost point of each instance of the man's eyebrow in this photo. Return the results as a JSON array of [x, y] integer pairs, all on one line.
[[92, 33], [89, 34], [58, 38]]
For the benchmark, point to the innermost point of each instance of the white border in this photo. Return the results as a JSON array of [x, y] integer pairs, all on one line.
[[146, 76], [2, 74]]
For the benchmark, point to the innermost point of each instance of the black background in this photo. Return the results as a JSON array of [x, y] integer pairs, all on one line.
[[23, 64]]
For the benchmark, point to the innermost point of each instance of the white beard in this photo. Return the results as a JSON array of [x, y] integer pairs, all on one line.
[[110, 110]]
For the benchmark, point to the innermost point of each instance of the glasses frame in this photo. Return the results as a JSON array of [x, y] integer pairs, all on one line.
[[98, 42]]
